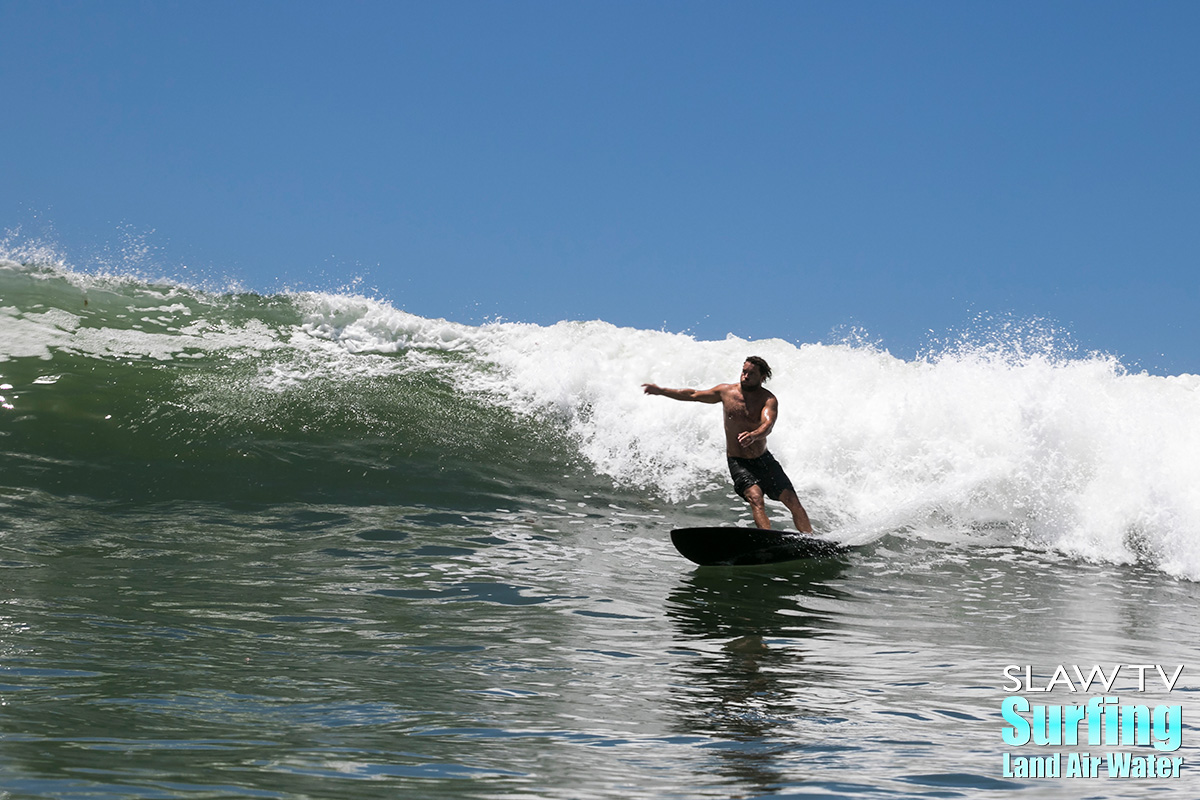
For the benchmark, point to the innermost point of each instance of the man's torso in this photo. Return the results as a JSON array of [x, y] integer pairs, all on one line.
[[742, 414]]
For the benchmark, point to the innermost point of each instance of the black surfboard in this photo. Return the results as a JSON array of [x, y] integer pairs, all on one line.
[[741, 546]]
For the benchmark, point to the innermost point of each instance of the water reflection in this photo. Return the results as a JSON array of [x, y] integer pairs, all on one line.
[[754, 684]]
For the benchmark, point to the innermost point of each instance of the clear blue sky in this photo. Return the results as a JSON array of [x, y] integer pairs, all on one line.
[[770, 169]]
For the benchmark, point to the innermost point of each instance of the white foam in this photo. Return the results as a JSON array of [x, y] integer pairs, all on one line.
[[364, 325], [1070, 453]]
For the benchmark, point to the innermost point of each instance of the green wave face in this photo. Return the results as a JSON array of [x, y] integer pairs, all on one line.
[[122, 390]]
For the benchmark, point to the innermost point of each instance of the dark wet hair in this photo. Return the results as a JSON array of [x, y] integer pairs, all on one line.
[[762, 365]]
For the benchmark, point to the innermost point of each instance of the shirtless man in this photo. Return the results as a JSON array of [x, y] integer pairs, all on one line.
[[750, 412]]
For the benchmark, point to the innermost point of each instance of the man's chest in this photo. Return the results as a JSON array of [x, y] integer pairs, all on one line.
[[737, 408]]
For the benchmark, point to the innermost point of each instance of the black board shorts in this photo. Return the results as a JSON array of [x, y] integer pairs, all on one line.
[[763, 471]]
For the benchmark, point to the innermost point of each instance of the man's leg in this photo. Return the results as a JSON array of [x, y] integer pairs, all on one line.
[[758, 506], [799, 515]]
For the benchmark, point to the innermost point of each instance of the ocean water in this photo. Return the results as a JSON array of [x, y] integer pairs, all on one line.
[[311, 545]]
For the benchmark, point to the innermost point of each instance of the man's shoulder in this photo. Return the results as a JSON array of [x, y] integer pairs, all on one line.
[[763, 397]]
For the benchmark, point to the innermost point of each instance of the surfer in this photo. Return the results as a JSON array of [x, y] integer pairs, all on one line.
[[750, 413]]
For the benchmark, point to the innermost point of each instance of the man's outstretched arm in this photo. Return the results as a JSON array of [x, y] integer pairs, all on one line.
[[712, 395]]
